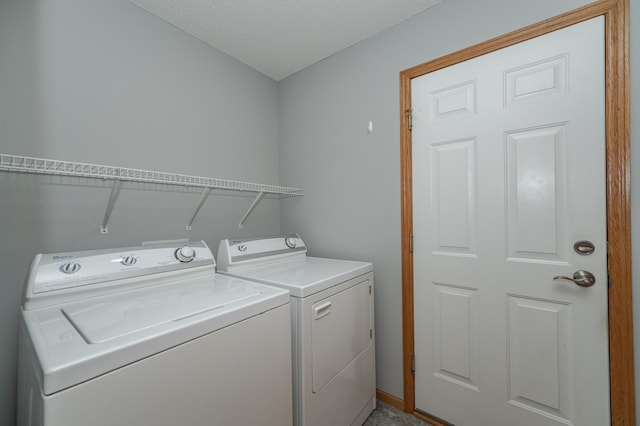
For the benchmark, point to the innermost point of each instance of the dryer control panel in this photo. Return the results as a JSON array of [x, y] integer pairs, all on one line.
[[258, 250]]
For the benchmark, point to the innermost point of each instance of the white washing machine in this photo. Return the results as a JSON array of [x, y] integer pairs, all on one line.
[[151, 336], [332, 324]]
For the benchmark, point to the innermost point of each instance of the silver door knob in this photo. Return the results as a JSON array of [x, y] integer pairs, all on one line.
[[581, 278]]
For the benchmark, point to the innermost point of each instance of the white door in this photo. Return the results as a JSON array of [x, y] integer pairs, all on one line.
[[508, 174]]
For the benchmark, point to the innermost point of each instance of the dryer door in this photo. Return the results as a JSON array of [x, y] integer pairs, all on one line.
[[341, 330]]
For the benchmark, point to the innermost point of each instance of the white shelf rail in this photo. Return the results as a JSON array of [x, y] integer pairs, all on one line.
[[15, 163]]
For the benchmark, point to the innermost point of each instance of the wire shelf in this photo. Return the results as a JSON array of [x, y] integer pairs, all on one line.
[[15, 163]]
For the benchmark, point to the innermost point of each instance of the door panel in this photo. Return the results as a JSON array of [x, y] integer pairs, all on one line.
[[539, 370], [455, 343], [508, 172], [453, 198], [537, 195]]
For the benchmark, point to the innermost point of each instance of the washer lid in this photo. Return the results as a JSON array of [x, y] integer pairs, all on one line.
[[304, 276], [78, 341], [122, 314]]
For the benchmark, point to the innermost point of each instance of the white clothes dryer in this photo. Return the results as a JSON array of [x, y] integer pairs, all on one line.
[[332, 324], [151, 336]]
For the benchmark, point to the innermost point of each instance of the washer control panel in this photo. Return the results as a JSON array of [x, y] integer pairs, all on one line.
[[71, 270]]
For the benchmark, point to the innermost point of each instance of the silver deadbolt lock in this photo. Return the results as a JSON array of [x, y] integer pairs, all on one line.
[[584, 248]]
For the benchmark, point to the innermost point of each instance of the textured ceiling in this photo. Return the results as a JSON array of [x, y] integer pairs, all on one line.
[[280, 37]]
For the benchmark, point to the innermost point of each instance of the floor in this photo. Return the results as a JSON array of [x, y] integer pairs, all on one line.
[[386, 415]]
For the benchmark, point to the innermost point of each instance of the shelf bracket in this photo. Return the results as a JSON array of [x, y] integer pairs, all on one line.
[[115, 191], [251, 207], [203, 198]]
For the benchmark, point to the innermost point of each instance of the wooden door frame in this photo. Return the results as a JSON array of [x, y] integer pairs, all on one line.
[[618, 166]]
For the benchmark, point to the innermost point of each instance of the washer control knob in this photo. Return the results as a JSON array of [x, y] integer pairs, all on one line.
[[242, 248], [290, 242], [129, 260], [70, 268], [185, 254]]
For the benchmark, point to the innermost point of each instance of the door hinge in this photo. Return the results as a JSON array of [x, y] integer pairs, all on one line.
[[413, 364], [409, 113], [411, 242]]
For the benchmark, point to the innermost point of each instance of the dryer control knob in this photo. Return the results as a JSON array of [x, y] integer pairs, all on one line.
[[185, 254], [290, 242]]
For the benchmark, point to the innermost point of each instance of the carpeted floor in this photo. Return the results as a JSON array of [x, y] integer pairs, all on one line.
[[386, 415]]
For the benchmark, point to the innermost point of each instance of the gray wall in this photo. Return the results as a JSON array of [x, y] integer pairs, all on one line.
[[106, 82], [351, 207]]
